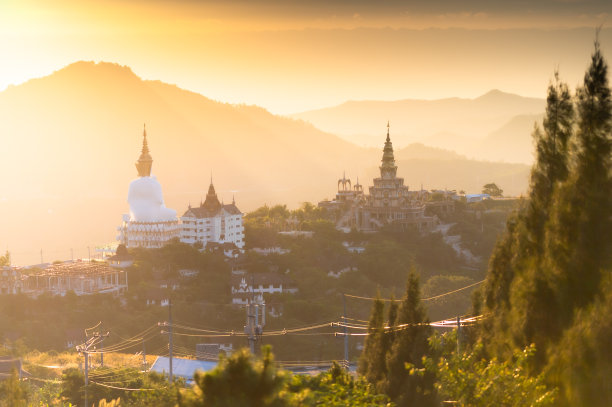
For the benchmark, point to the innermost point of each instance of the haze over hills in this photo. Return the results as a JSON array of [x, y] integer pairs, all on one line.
[[454, 123], [71, 139]]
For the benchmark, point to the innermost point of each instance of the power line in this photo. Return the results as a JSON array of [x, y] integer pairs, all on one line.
[[422, 299], [124, 388]]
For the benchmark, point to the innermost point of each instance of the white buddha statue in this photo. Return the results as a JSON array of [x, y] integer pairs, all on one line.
[[145, 193]]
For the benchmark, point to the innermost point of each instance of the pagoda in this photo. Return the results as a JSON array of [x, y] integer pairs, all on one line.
[[149, 224], [390, 202]]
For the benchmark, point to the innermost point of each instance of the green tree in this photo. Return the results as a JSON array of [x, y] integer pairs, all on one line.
[[580, 230], [409, 347], [390, 335], [73, 382], [335, 388], [6, 259], [551, 164], [520, 290], [534, 295], [13, 393], [239, 380], [473, 380], [582, 364], [372, 363], [546, 274], [492, 189]]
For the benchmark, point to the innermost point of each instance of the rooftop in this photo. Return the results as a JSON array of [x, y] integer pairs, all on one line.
[[77, 269]]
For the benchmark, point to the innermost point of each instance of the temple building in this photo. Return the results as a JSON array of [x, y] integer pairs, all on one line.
[[213, 222], [389, 202], [149, 224]]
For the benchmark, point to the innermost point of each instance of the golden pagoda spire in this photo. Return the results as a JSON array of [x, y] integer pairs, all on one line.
[[388, 169], [145, 161], [388, 139]]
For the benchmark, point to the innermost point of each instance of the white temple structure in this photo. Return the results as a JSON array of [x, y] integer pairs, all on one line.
[[389, 203], [149, 224], [213, 221]]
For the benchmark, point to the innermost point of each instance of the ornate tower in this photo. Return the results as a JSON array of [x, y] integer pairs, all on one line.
[[145, 161], [211, 203], [388, 169]]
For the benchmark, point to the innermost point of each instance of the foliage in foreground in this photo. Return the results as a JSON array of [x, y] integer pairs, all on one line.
[[335, 388], [547, 277], [158, 391], [471, 379], [405, 341], [243, 380]]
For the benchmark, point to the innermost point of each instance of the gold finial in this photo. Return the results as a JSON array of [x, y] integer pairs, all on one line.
[[145, 161], [388, 139]]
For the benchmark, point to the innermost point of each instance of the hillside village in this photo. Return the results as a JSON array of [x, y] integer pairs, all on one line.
[[273, 259], [330, 203]]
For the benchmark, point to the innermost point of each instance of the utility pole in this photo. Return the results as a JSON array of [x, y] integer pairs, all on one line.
[[41, 257], [249, 328], [84, 349], [144, 354], [170, 339], [346, 355], [86, 353], [458, 335], [101, 348]]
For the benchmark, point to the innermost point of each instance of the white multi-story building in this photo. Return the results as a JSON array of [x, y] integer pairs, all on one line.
[[213, 221], [149, 224]]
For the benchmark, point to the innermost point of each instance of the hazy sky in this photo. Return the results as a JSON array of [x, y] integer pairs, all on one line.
[[292, 55]]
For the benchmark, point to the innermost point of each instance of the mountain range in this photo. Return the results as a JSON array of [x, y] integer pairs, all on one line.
[[472, 127], [70, 141]]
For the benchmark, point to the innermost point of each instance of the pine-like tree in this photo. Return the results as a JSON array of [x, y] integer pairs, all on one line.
[[534, 317], [520, 291], [409, 347], [545, 277], [582, 364], [551, 164], [372, 361], [579, 244], [391, 323]]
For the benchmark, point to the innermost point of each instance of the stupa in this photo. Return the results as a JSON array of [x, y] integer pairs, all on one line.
[[149, 224]]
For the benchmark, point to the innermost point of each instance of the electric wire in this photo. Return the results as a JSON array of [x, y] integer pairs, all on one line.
[[422, 299], [122, 388], [93, 327]]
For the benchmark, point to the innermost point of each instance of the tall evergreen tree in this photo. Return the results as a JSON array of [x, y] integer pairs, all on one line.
[[519, 290], [551, 164], [579, 235], [391, 323], [582, 365], [372, 361], [409, 347], [534, 317]]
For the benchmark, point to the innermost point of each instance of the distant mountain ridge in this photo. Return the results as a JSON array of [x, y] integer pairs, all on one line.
[[71, 140], [465, 123]]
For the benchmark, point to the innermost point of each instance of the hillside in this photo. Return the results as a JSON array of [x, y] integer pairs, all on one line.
[[71, 139], [512, 139], [454, 123]]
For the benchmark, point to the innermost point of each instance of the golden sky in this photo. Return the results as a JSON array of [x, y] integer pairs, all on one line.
[[289, 55]]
